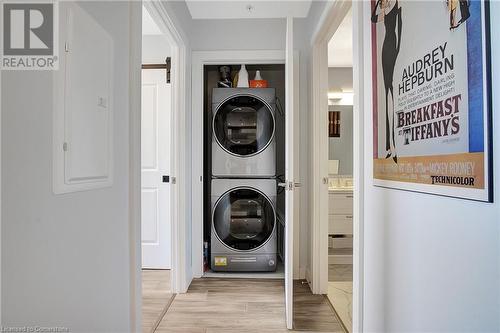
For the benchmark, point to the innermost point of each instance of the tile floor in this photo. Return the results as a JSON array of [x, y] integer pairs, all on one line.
[[340, 292]]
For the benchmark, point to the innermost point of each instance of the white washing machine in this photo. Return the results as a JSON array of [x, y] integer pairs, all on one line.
[[243, 132], [243, 236]]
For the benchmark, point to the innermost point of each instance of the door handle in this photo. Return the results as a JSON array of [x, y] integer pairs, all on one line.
[[290, 185], [168, 179]]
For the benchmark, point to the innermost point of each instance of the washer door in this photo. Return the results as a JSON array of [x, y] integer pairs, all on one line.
[[244, 219], [243, 125]]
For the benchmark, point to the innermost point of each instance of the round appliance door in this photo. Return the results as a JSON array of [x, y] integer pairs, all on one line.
[[243, 125], [244, 219]]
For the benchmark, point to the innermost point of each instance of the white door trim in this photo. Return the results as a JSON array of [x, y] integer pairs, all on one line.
[[329, 22], [289, 173], [201, 58], [358, 164], [135, 9], [180, 277]]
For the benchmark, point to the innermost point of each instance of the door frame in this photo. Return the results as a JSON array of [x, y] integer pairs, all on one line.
[[199, 60], [179, 278], [291, 179], [329, 22]]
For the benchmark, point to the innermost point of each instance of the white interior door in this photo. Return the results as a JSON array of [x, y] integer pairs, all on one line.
[[291, 156], [155, 188]]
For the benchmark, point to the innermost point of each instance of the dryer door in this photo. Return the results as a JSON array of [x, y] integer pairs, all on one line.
[[243, 125], [244, 219]]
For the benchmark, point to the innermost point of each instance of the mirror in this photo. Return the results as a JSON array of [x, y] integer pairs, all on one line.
[[340, 144]]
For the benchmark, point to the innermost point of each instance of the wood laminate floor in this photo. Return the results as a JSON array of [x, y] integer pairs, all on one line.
[[218, 305], [156, 296], [313, 313]]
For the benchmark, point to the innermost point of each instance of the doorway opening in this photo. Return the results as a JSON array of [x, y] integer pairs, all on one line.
[[156, 173], [270, 63], [337, 226], [340, 171], [243, 162]]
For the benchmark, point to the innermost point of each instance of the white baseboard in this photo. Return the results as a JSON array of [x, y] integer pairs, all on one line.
[[302, 273], [187, 283], [308, 275]]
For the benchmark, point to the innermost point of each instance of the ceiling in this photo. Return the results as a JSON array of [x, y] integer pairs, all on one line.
[[149, 27], [237, 9], [340, 46]]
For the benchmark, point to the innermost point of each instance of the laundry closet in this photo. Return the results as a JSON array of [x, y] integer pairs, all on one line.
[[243, 168]]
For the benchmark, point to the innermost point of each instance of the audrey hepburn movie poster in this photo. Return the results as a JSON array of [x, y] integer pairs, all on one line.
[[431, 97]]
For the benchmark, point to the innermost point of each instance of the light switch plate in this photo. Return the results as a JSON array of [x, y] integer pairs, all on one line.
[[102, 102]]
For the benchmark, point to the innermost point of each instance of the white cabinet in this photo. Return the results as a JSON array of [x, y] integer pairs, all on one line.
[[340, 206], [339, 224], [340, 227]]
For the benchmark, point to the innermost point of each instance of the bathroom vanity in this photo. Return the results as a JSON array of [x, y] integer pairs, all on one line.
[[340, 220]]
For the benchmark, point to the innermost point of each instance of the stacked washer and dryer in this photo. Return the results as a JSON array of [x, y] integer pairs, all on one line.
[[243, 190]]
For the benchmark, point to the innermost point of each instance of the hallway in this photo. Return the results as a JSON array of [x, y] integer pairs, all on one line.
[[245, 306], [257, 160]]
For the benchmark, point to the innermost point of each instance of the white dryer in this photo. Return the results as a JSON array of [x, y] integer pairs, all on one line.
[[244, 224], [243, 132]]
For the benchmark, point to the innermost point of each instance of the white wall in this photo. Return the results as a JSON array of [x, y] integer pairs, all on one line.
[[155, 49], [339, 78], [65, 258], [431, 263], [180, 16], [242, 34]]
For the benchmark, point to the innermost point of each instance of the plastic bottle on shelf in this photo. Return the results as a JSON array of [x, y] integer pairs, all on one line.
[[243, 77]]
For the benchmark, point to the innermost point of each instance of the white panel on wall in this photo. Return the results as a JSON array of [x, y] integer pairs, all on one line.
[[83, 145]]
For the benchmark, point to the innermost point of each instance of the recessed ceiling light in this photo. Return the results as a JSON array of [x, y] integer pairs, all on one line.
[[250, 8]]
